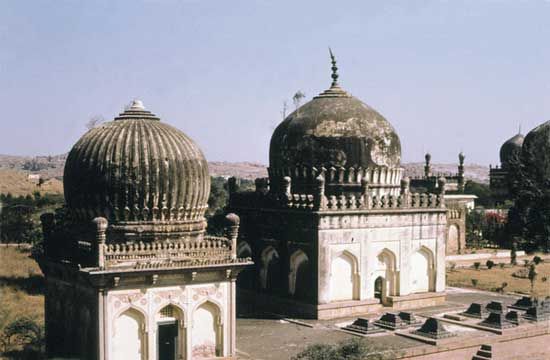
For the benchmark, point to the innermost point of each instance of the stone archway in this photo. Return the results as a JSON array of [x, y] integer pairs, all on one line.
[[453, 239], [344, 277], [128, 340], [246, 278], [207, 331], [422, 275], [379, 288], [299, 275], [270, 275], [387, 270], [171, 334]]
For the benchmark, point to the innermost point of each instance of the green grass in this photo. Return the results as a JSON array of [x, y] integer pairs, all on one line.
[[21, 287]]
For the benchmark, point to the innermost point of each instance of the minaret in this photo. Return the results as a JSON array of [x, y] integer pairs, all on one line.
[[427, 167], [461, 182]]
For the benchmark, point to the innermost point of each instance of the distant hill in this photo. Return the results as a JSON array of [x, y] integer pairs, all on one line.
[[17, 183], [51, 167]]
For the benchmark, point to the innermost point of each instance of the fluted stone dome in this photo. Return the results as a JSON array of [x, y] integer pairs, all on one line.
[[535, 151], [140, 173], [334, 129], [510, 148]]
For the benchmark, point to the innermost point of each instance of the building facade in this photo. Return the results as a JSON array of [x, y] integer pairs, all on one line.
[[130, 273], [335, 230], [499, 179], [457, 202]]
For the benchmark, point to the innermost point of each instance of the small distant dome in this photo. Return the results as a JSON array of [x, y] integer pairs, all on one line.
[[144, 176], [510, 148]]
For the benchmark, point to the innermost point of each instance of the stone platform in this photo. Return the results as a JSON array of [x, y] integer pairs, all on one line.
[[286, 306]]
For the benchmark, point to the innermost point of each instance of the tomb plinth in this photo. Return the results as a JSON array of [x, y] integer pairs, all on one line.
[[495, 307], [474, 310], [362, 326], [497, 321], [524, 303], [391, 321], [513, 317], [409, 318], [537, 313], [484, 353], [434, 329]]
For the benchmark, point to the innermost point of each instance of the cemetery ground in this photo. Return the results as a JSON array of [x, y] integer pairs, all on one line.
[[273, 337], [493, 279]]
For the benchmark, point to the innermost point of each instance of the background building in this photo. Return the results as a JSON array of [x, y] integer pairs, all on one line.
[[499, 175], [457, 202], [130, 273]]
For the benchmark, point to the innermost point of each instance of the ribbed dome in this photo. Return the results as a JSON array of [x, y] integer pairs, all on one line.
[[510, 148], [335, 129], [138, 170], [535, 150]]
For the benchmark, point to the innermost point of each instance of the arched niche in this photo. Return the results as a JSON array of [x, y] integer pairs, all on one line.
[[128, 337], [344, 277], [299, 275], [270, 274], [422, 274], [207, 333], [246, 278], [453, 239]]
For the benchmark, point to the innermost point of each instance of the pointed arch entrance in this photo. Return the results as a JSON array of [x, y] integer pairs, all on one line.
[[422, 275], [344, 282], [128, 341]]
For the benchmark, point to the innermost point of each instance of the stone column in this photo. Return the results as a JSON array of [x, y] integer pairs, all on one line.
[[232, 231], [101, 227]]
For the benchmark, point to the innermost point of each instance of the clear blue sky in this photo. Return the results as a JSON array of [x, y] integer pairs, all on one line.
[[449, 75]]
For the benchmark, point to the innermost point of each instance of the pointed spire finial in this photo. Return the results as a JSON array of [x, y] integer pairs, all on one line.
[[334, 68], [519, 129]]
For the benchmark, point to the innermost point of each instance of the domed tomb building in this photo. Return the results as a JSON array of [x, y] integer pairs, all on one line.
[[130, 273], [335, 230], [499, 176]]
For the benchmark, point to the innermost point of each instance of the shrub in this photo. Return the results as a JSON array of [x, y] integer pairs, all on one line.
[[526, 262], [351, 349], [522, 273], [474, 282], [489, 264], [544, 279], [452, 266], [477, 264], [501, 265], [537, 260]]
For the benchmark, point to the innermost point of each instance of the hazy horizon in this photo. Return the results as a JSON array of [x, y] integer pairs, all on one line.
[[450, 76]]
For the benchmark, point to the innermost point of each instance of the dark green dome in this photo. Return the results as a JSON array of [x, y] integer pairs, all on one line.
[[535, 153], [335, 129], [510, 148], [138, 170]]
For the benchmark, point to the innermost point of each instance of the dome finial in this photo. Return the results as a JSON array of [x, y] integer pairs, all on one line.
[[137, 105], [334, 68], [519, 129]]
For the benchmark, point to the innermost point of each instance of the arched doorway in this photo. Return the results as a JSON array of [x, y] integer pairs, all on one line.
[[129, 336], [387, 272], [207, 332], [246, 278], [299, 275], [379, 288], [453, 243], [170, 333], [270, 276], [343, 282]]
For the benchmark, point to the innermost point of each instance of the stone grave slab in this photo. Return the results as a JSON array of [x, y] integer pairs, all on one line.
[[434, 329], [363, 326]]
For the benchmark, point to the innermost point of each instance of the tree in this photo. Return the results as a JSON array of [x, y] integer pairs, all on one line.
[[94, 121], [297, 98], [23, 333], [532, 276]]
